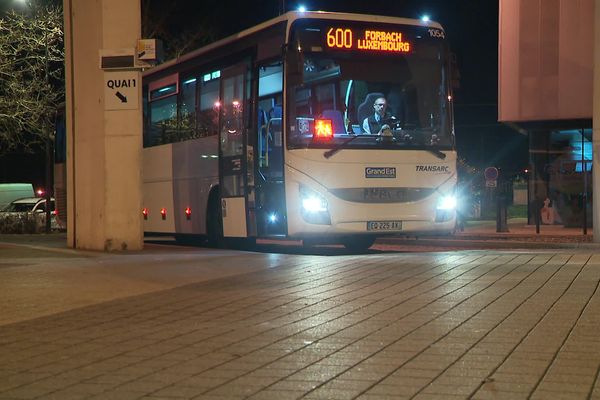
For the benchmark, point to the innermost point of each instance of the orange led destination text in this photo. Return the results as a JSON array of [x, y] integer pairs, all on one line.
[[343, 38], [385, 41]]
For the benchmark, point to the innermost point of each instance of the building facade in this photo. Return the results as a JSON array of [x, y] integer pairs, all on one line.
[[545, 91]]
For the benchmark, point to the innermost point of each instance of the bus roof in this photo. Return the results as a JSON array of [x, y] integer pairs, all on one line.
[[290, 17]]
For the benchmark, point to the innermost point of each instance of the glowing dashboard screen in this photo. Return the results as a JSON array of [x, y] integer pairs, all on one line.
[[366, 40]]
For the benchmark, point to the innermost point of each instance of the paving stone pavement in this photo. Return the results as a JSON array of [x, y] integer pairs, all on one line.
[[468, 324]]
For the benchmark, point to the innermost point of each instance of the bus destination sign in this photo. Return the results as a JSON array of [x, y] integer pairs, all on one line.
[[366, 40]]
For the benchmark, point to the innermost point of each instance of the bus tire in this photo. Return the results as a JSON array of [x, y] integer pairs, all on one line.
[[242, 243], [358, 243], [214, 221]]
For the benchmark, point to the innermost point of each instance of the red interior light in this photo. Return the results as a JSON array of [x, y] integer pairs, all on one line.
[[188, 212], [323, 130], [163, 213], [145, 213]]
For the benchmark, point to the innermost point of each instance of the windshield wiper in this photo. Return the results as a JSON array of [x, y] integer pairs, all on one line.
[[438, 153], [337, 148]]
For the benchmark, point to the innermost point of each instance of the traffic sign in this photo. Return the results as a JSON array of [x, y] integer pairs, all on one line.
[[491, 173], [121, 90]]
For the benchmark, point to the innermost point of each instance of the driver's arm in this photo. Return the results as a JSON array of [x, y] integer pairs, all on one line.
[[365, 126]]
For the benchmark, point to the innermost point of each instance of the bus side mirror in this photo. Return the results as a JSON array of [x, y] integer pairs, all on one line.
[[295, 63]]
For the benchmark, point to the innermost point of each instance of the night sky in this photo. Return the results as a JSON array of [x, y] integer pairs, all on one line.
[[471, 27]]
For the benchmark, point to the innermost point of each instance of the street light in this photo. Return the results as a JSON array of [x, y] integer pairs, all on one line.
[[22, 3]]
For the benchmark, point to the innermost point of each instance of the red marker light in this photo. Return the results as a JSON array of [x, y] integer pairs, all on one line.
[[145, 213], [163, 213], [323, 130], [188, 213]]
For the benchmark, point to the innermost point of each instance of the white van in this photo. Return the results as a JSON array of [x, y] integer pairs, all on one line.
[[13, 191]]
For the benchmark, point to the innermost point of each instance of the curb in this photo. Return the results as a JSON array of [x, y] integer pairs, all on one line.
[[490, 242]]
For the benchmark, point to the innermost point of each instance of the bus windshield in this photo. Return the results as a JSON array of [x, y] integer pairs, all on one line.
[[362, 99]]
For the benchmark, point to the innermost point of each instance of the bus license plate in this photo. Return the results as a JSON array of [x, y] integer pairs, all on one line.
[[384, 225]]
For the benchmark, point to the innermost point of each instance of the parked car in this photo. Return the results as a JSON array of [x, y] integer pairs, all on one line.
[[29, 204], [13, 191], [17, 215]]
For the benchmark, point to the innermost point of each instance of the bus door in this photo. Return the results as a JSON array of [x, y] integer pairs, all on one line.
[[234, 156], [270, 195]]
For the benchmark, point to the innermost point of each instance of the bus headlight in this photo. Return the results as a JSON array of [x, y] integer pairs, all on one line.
[[446, 203], [445, 209], [272, 218], [313, 206]]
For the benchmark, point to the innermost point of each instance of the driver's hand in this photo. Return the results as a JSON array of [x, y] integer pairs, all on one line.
[[385, 130]]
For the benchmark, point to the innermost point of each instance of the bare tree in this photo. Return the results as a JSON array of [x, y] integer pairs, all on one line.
[[32, 60], [31, 77], [163, 20]]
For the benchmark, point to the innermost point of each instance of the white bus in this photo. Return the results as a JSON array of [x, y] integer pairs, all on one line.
[[263, 134]]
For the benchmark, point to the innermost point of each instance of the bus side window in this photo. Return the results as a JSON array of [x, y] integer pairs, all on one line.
[[263, 119], [163, 121], [270, 138], [232, 113], [270, 87], [162, 96], [208, 115], [187, 110]]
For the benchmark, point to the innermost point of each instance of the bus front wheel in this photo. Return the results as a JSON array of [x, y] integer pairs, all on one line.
[[358, 243]]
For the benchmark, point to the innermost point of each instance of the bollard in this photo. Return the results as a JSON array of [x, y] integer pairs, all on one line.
[[537, 216], [501, 214]]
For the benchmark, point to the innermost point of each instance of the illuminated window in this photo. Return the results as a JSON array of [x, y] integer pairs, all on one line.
[[208, 117], [187, 110], [211, 75], [163, 92]]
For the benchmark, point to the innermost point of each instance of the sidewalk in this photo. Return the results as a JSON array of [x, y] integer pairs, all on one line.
[[205, 324], [483, 235], [519, 229]]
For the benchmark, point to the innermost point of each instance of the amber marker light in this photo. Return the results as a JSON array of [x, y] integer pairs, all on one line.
[[323, 130]]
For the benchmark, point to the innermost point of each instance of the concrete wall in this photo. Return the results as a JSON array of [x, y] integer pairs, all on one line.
[[545, 59], [103, 145]]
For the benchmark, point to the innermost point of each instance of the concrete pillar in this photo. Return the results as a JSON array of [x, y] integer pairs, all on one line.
[[596, 125], [104, 144]]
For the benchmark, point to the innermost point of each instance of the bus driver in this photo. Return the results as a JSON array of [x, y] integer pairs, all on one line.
[[373, 123]]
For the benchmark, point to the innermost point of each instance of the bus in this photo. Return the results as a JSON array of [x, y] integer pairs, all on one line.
[[262, 134]]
